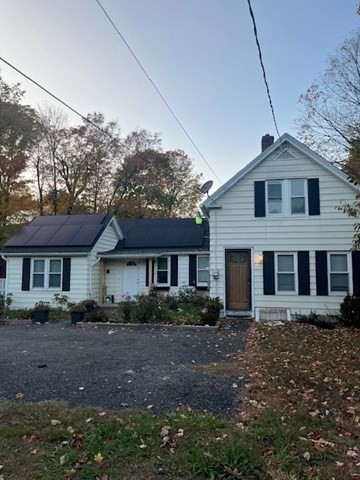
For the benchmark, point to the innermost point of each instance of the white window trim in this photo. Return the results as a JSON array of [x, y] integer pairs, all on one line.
[[202, 284], [349, 272], [281, 292], [167, 284], [286, 198], [46, 274]]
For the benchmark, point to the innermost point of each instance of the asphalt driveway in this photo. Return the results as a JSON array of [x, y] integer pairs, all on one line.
[[124, 368]]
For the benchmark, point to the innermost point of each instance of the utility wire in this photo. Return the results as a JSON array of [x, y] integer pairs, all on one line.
[[263, 67], [156, 88], [71, 108]]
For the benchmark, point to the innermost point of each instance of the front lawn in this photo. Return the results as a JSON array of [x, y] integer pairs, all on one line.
[[299, 419]]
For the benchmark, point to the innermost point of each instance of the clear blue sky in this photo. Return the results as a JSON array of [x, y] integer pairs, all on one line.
[[200, 53]]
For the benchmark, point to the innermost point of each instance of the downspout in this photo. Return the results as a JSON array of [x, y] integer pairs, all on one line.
[[90, 274]]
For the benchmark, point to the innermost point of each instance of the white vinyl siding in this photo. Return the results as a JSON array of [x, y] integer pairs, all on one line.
[[233, 225], [338, 271]]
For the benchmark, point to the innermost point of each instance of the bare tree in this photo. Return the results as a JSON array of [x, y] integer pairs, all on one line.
[[44, 160], [331, 119]]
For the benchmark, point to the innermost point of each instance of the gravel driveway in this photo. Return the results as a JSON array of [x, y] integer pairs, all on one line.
[[124, 368]]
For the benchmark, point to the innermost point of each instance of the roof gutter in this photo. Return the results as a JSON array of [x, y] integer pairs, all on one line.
[[154, 255]]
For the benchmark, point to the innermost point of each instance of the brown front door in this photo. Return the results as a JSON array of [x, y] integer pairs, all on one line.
[[238, 280]]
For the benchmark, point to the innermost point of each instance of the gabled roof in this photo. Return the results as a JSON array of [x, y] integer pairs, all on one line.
[[166, 235], [58, 233], [281, 144]]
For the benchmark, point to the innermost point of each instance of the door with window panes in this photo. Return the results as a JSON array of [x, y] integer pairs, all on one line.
[[238, 280]]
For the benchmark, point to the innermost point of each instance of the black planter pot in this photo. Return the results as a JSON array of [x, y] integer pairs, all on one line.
[[40, 316], [77, 317]]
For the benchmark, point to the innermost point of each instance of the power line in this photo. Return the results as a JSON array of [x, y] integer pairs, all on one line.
[[156, 88], [263, 67], [69, 107]]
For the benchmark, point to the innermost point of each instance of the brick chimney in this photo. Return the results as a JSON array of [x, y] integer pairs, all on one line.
[[266, 141]]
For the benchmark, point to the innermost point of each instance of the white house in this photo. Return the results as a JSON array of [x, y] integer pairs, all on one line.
[[279, 245], [97, 257]]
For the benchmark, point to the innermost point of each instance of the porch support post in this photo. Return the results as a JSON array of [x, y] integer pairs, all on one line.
[[102, 281]]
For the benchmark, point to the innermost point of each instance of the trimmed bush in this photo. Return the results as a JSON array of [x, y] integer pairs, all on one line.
[[350, 311]]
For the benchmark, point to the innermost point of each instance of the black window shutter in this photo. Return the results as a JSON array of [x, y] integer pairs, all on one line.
[[25, 282], [313, 196], [356, 272], [192, 270], [303, 273], [269, 273], [174, 271], [259, 198], [66, 274], [322, 287]]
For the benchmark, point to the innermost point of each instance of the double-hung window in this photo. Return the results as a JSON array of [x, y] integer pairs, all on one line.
[[203, 275], [275, 197], [297, 201], [338, 264], [285, 267], [286, 197], [162, 271], [46, 273]]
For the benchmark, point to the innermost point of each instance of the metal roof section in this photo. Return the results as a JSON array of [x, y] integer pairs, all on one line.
[[58, 233], [281, 145]]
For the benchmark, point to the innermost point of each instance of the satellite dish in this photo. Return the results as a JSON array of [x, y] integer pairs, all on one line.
[[206, 187]]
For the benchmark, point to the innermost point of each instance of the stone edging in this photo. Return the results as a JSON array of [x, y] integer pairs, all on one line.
[[143, 326]]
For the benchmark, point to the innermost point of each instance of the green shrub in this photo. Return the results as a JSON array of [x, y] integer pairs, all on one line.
[[172, 301], [61, 301], [191, 295], [350, 311], [89, 304], [148, 309], [126, 307]]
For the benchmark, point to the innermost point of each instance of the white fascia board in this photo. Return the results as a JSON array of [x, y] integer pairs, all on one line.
[[46, 254], [116, 226]]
